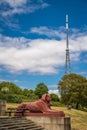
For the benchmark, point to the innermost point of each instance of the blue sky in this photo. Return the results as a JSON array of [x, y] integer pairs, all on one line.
[[33, 41]]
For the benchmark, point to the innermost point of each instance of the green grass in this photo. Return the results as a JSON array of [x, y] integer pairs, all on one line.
[[11, 105], [78, 118]]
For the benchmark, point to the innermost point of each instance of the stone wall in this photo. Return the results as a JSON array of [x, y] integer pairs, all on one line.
[[52, 122], [2, 107]]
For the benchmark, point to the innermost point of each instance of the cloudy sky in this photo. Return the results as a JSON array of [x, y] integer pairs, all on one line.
[[33, 41]]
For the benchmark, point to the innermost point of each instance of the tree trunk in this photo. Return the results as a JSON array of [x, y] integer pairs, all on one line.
[[77, 105]]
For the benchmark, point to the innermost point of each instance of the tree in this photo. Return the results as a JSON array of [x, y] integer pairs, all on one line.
[[73, 90], [41, 89], [11, 87], [31, 95], [54, 97], [10, 92], [25, 92]]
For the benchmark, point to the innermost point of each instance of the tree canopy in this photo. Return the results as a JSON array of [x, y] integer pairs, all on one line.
[[41, 89], [73, 90], [12, 93], [8, 87], [54, 97]]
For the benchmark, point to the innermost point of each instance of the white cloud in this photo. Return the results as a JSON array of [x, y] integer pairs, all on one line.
[[44, 56], [43, 30], [83, 73], [76, 38], [52, 86], [54, 91], [7, 80], [16, 3], [11, 7], [35, 56]]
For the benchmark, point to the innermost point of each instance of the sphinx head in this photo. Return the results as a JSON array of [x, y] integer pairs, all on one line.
[[46, 97]]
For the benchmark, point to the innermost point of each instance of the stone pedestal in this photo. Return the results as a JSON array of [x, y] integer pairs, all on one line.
[[52, 122], [2, 107]]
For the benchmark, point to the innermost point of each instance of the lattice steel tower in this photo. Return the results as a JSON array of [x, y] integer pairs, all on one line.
[[67, 66]]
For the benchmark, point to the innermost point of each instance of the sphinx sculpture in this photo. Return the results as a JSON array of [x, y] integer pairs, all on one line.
[[40, 107]]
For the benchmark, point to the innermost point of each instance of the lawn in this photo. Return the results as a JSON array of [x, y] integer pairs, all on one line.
[[78, 118]]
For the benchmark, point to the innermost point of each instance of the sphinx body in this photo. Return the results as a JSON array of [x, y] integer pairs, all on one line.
[[42, 106]]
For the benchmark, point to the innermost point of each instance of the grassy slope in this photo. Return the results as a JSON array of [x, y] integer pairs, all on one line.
[[11, 105], [78, 118]]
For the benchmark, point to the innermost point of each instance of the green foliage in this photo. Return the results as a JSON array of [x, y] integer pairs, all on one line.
[[11, 98], [14, 94], [30, 94], [14, 99], [73, 90], [54, 97], [41, 89], [57, 104], [25, 92], [8, 87], [55, 100], [10, 92]]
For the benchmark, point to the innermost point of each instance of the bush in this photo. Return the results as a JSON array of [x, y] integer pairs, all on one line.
[[57, 104]]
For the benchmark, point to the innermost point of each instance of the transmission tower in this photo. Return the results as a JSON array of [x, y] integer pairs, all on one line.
[[67, 66]]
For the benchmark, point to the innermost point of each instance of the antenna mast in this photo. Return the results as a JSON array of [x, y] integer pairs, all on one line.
[[67, 66]]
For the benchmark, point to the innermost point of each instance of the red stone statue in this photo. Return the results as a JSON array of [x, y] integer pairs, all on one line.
[[41, 107]]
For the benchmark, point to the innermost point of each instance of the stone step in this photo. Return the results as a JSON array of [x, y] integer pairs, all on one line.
[[11, 119], [39, 128], [22, 127], [18, 123], [8, 120]]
